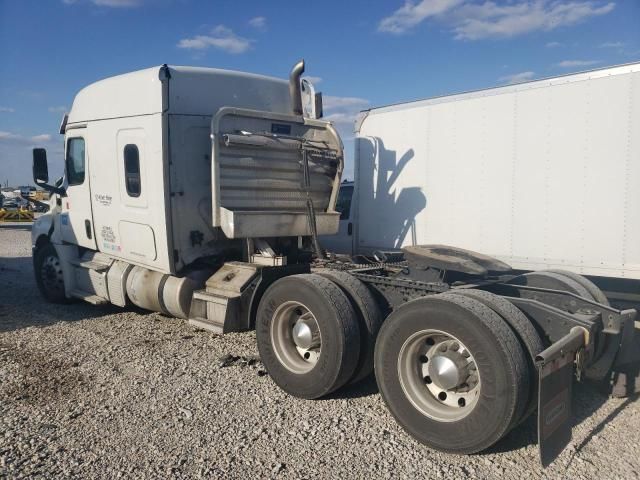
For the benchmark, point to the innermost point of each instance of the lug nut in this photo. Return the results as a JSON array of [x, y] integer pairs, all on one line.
[[455, 346]]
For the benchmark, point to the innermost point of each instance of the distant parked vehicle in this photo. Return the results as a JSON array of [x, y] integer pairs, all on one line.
[[10, 204], [27, 191]]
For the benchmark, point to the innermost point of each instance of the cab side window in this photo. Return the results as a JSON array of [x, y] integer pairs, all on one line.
[[75, 161], [132, 170], [343, 204]]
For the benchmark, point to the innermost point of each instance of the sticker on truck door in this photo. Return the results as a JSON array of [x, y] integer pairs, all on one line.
[[102, 199], [109, 239]]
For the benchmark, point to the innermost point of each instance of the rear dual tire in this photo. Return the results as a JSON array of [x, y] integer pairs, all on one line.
[[530, 341], [503, 376], [308, 336], [368, 315]]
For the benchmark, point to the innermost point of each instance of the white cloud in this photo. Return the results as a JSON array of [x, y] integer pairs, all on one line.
[[31, 94], [108, 3], [553, 44], [59, 109], [471, 20], [221, 37], [612, 45], [342, 111], [411, 14], [517, 77], [342, 103], [312, 79], [7, 109], [15, 156], [341, 118], [576, 63], [17, 139], [258, 22], [7, 136], [492, 20], [118, 3]]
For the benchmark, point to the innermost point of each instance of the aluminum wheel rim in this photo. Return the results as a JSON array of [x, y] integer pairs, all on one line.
[[51, 274], [439, 402], [293, 353]]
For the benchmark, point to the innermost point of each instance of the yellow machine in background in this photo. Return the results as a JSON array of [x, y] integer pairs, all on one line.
[[19, 215]]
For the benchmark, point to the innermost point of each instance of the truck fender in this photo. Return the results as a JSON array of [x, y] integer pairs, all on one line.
[[268, 276], [41, 230]]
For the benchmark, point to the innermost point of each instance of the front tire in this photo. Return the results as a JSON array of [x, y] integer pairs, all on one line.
[[308, 336], [48, 271], [489, 372]]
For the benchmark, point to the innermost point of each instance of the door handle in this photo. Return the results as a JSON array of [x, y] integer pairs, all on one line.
[[349, 228], [87, 228]]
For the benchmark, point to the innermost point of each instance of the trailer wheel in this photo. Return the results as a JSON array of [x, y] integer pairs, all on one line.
[[526, 333], [308, 335], [451, 372], [595, 292], [48, 270], [368, 314]]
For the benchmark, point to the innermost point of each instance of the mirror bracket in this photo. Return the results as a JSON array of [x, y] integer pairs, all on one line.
[[50, 188]]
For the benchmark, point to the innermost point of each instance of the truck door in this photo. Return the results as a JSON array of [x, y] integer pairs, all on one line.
[[342, 242], [76, 219]]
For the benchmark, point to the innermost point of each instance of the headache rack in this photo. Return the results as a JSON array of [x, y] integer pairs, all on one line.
[[271, 172]]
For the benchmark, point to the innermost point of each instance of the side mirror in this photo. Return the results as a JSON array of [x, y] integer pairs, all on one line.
[[40, 167], [41, 172]]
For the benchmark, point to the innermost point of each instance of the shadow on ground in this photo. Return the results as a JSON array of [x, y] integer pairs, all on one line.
[[363, 388], [588, 398], [16, 226], [21, 305]]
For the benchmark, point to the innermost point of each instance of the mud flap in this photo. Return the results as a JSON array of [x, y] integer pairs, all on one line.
[[555, 379]]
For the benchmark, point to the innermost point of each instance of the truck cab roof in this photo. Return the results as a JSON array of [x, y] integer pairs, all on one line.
[[178, 90]]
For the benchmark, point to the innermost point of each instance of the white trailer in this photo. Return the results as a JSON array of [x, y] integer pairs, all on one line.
[[542, 175], [201, 193]]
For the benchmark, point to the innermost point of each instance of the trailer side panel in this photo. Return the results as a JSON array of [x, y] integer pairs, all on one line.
[[541, 175]]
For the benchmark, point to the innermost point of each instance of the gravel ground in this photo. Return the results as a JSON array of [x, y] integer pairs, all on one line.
[[102, 392]]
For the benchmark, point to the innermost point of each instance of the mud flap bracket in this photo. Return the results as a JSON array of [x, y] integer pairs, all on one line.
[[555, 378]]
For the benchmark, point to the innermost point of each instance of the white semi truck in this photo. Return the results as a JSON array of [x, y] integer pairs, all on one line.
[[202, 194]]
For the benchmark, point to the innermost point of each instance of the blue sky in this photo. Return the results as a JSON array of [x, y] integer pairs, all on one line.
[[361, 53]]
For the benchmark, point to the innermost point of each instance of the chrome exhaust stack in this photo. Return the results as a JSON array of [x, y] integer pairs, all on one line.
[[294, 87]]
